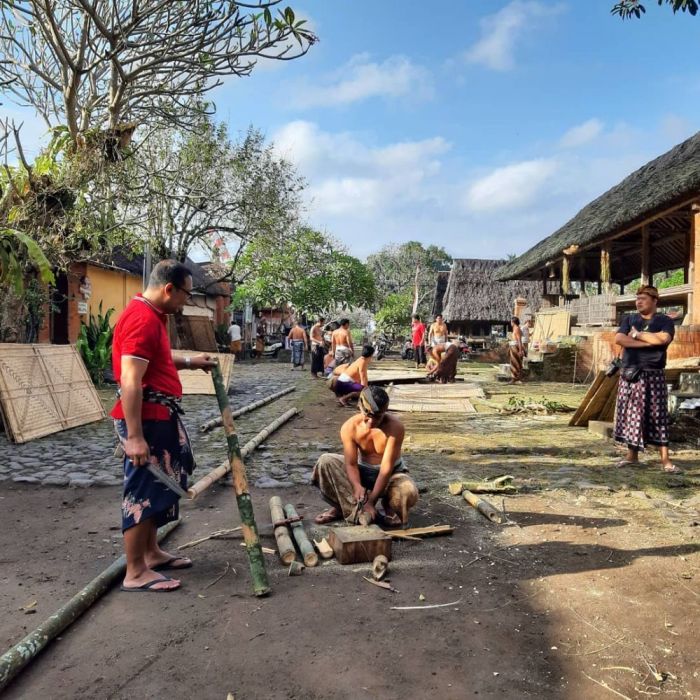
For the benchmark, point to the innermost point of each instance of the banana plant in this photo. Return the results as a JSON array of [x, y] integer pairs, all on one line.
[[95, 344]]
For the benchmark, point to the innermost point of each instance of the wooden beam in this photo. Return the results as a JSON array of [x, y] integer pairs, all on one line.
[[566, 275], [605, 266], [646, 279], [693, 276]]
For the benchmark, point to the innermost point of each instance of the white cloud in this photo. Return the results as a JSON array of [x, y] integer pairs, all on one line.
[[515, 185], [361, 79], [582, 134], [501, 32]]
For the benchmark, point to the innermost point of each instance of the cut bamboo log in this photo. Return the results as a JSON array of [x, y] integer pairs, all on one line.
[[224, 468], [501, 484], [284, 541], [416, 532], [324, 549], [216, 422], [305, 547], [16, 658], [484, 507], [256, 560]]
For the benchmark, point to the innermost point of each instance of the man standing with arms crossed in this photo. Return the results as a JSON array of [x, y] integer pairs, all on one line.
[[147, 420]]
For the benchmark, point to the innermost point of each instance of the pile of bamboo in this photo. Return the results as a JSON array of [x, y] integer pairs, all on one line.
[[599, 401]]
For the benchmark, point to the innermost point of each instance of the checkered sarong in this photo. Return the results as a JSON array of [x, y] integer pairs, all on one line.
[[641, 413]]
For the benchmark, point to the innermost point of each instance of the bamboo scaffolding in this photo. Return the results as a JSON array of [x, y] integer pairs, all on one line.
[[16, 658], [261, 586], [305, 547], [224, 468], [216, 422], [284, 541]]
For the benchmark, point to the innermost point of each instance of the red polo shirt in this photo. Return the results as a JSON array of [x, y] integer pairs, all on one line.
[[141, 331], [418, 332]]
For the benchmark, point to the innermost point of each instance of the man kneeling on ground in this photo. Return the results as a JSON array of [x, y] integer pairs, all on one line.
[[349, 380], [371, 467]]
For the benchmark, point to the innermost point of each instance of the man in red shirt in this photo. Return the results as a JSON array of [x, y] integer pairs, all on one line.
[[418, 340], [147, 420]]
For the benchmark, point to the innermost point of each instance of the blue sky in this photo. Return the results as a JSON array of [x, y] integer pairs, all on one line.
[[480, 125]]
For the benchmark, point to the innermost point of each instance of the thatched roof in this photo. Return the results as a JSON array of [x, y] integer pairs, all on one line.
[[440, 289], [665, 182], [473, 294]]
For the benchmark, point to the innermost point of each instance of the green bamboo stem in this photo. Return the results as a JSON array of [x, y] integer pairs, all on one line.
[[305, 547], [261, 586], [16, 658]]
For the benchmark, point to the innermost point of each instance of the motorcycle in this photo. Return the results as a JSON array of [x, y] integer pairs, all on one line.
[[381, 346], [464, 349], [270, 349], [407, 351]]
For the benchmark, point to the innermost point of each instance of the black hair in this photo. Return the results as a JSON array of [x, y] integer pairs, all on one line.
[[515, 321], [169, 272], [367, 350], [416, 316], [344, 321], [321, 319], [381, 398]]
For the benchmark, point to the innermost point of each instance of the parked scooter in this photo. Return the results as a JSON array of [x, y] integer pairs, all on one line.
[[381, 346], [464, 349], [270, 349], [407, 351]]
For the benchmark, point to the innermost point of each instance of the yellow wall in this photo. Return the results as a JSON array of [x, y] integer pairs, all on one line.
[[113, 288]]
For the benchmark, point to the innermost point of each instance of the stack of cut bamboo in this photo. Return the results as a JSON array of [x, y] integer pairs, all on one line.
[[599, 401]]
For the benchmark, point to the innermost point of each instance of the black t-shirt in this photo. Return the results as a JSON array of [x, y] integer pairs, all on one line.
[[653, 356]]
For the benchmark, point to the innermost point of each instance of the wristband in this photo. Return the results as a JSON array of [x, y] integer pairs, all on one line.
[[188, 362]]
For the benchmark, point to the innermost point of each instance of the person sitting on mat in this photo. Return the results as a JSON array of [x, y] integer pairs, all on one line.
[[370, 469], [348, 380], [447, 355]]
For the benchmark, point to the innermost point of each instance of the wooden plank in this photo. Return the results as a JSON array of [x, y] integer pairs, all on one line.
[[608, 411], [416, 532], [359, 543], [596, 404], [592, 389]]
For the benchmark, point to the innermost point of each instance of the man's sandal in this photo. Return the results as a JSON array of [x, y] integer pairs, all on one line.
[[627, 463], [149, 587], [672, 469], [173, 565]]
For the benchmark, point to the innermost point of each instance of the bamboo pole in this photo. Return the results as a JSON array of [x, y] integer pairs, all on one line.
[[484, 507], [284, 541], [305, 547], [225, 467], [261, 586], [16, 658], [216, 422]]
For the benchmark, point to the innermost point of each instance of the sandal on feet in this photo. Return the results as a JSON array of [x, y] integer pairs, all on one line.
[[672, 469], [149, 587], [627, 463], [173, 565], [328, 516]]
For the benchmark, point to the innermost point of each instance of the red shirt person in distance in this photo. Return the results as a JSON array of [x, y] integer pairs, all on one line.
[[147, 420], [418, 340]]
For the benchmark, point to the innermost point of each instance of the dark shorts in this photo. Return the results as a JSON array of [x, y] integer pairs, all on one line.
[[344, 388]]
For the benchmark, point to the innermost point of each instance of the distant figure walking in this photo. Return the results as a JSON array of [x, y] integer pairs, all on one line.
[[515, 347], [641, 413], [234, 334], [298, 341], [418, 340], [317, 348]]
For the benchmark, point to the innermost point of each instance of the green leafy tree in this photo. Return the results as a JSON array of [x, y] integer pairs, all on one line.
[[409, 268], [634, 8], [395, 314], [306, 270]]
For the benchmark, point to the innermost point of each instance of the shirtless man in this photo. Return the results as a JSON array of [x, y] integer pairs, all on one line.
[[437, 335], [350, 380], [318, 348], [298, 341], [341, 343], [370, 469]]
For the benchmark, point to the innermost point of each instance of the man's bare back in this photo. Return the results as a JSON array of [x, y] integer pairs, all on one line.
[[341, 336], [357, 370], [297, 333]]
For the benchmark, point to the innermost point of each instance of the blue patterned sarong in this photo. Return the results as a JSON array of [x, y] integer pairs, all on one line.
[[297, 353]]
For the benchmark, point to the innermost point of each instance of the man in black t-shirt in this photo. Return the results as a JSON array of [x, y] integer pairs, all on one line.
[[641, 414]]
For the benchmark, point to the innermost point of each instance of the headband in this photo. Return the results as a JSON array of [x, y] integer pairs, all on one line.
[[367, 402]]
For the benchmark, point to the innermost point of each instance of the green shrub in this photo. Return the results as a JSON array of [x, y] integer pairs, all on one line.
[[95, 344]]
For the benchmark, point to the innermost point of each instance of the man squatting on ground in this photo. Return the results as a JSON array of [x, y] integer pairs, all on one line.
[[298, 341], [341, 343], [318, 348], [147, 420], [348, 381], [371, 467], [641, 414]]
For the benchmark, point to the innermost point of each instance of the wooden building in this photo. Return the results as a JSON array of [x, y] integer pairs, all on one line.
[[646, 225], [475, 304]]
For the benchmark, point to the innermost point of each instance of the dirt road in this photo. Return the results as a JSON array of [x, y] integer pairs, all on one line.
[[592, 593]]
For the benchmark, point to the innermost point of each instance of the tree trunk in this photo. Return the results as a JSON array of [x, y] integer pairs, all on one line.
[[416, 290]]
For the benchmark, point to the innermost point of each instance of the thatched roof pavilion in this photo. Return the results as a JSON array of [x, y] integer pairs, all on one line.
[[474, 301], [644, 225]]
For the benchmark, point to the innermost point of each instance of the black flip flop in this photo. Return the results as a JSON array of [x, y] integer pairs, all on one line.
[[168, 565], [148, 587]]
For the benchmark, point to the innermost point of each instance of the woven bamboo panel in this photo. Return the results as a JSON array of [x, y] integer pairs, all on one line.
[[386, 376], [191, 333], [198, 382], [435, 391], [432, 406], [45, 389], [551, 325]]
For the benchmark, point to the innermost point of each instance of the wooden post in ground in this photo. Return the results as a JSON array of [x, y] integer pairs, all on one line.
[[645, 276], [305, 547], [284, 541], [240, 485], [694, 266]]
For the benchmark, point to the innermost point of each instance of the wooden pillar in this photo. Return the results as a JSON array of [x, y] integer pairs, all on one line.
[[605, 267], [645, 276], [566, 275], [693, 262], [582, 274]]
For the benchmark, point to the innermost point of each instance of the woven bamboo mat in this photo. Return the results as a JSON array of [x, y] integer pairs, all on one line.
[[198, 382], [44, 389], [191, 333], [432, 391], [431, 406]]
